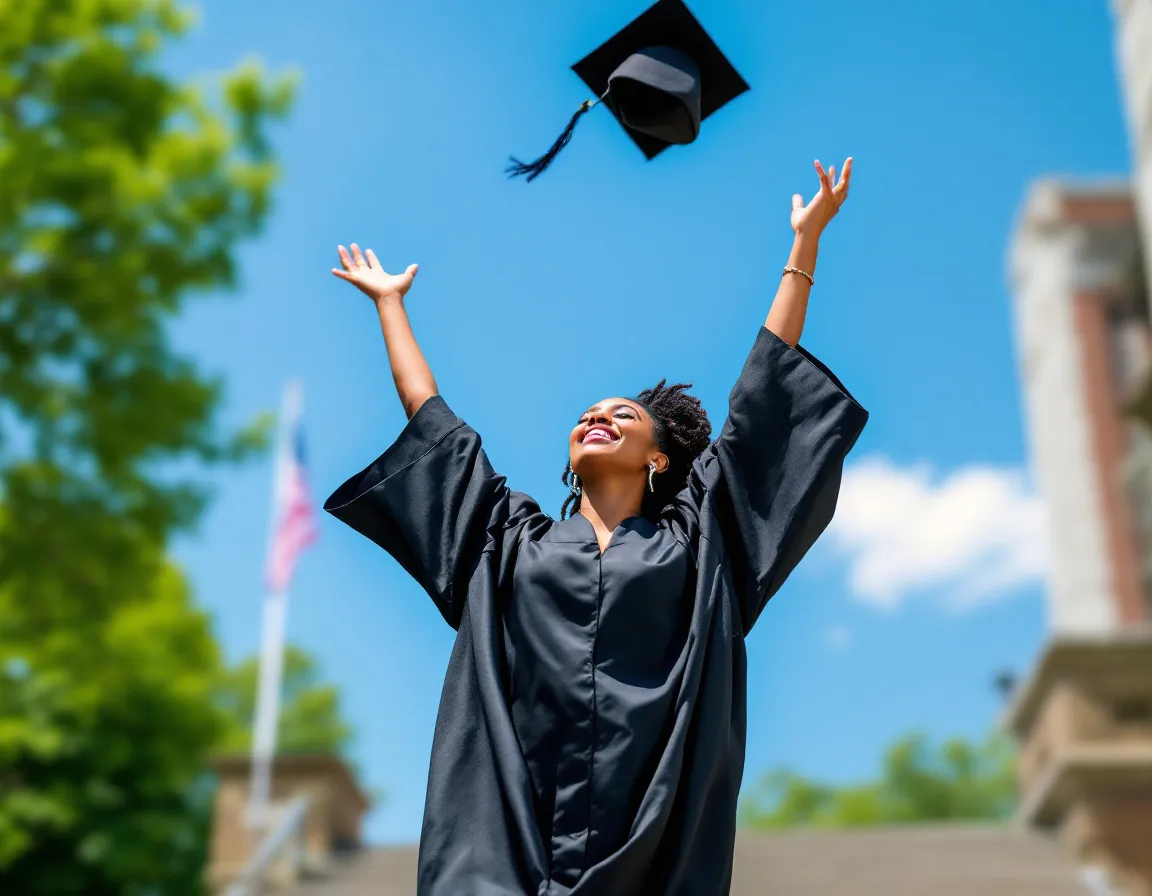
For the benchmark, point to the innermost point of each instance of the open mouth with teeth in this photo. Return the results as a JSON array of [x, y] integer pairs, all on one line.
[[599, 434]]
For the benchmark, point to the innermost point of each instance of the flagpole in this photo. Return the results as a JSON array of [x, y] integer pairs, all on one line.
[[267, 706], [275, 617]]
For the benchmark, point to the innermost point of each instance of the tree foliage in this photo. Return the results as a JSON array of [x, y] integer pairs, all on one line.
[[122, 194], [920, 782], [311, 720], [101, 748]]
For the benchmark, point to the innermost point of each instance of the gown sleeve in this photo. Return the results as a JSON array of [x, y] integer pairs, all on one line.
[[433, 502], [780, 457]]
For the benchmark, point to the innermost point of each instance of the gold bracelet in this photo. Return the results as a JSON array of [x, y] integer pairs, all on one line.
[[804, 274]]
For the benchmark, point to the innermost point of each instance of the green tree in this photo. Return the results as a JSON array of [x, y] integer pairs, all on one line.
[[101, 750], [920, 782], [122, 194], [311, 720]]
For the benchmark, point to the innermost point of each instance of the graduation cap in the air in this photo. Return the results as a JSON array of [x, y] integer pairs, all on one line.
[[660, 76]]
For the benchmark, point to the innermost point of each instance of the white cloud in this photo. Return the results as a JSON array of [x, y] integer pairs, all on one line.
[[838, 638], [972, 536]]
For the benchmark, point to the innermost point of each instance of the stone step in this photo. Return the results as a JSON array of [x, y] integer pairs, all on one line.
[[915, 861]]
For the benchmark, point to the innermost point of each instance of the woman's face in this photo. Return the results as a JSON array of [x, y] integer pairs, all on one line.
[[614, 436]]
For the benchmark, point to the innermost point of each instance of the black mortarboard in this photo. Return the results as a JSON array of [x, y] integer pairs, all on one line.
[[661, 76]]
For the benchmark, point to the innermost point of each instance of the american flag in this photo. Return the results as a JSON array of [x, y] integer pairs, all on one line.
[[294, 521]]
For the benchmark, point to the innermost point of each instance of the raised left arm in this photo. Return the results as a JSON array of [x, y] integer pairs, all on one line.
[[790, 425], [786, 316]]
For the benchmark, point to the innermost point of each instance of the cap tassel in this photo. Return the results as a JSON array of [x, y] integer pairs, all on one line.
[[534, 169]]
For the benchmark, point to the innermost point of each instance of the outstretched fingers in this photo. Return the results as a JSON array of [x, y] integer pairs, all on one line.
[[353, 264], [845, 179], [825, 184]]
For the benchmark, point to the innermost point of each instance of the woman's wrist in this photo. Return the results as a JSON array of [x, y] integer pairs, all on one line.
[[805, 248], [388, 300]]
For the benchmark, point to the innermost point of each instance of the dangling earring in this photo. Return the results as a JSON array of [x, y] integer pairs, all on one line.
[[575, 486], [651, 473]]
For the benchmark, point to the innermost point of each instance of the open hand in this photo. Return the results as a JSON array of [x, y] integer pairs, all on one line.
[[364, 272], [811, 219]]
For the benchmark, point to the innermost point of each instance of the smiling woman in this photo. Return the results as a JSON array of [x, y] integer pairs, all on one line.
[[590, 738]]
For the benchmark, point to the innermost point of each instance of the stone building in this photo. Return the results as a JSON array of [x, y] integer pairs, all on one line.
[[1080, 267], [1083, 717]]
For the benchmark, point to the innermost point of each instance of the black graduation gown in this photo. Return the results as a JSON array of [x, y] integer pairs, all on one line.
[[590, 737]]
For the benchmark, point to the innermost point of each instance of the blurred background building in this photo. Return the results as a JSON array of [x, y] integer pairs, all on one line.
[[1134, 62], [1083, 717], [1080, 265]]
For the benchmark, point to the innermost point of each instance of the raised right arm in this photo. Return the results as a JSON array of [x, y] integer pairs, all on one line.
[[410, 371], [432, 500]]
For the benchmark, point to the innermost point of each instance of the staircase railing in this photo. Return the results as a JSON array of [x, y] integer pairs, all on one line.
[[281, 851]]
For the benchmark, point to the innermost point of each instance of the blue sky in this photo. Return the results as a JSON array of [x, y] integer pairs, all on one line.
[[609, 273]]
